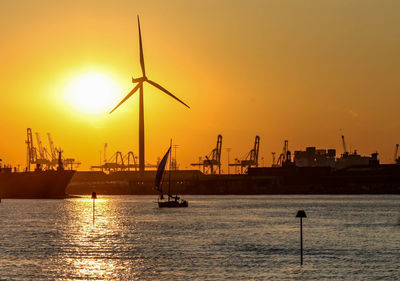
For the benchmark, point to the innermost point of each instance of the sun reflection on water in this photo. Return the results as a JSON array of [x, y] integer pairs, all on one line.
[[95, 248]]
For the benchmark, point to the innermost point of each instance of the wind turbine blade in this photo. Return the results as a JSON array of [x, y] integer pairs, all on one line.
[[166, 91], [127, 96], [141, 49]]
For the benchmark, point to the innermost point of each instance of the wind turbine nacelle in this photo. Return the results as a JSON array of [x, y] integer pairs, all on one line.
[[137, 80]]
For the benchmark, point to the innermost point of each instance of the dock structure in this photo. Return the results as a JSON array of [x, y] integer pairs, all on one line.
[[121, 162]]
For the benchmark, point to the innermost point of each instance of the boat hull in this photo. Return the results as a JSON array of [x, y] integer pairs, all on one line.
[[38, 184], [173, 204]]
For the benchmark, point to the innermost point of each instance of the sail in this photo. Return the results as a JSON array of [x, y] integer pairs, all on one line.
[[160, 171]]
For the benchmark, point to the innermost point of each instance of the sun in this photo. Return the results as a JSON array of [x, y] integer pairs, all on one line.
[[92, 93]]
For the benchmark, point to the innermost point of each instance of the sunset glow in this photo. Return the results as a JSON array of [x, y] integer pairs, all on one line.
[[199, 140]]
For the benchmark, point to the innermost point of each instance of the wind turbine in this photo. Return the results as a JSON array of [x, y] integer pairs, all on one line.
[[139, 86]]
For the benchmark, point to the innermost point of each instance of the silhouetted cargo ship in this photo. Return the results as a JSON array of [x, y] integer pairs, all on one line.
[[37, 184], [48, 180]]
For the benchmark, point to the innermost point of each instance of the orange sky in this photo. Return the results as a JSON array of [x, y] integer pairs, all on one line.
[[306, 71]]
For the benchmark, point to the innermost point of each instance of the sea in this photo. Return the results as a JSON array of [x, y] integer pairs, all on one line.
[[215, 238]]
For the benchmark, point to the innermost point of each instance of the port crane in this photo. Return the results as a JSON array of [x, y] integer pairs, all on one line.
[[117, 162], [396, 156], [105, 153], [36, 155], [40, 146], [120, 162], [251, 159], [53, 151], [41, 157], [345, 152], [213, 159], [31, 154], [284, 157], [273, 159]]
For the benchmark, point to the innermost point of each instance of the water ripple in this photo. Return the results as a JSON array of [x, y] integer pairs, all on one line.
[[216, 238]]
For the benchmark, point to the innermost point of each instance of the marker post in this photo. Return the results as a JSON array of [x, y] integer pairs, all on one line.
[[94, 196], [301, 214]]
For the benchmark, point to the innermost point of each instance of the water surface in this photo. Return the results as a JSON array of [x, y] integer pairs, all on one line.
[[216, 238]]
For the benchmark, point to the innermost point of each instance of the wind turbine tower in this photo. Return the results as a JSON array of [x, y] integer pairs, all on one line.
[[139, 86]]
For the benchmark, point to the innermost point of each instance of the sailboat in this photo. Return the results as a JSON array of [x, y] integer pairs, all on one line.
[[171, 201]]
